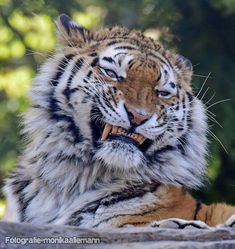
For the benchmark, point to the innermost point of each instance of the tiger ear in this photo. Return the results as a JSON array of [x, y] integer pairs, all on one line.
[[181, 61], [71, 33]]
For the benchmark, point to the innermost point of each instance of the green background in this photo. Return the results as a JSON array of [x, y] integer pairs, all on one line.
[[201, 30]]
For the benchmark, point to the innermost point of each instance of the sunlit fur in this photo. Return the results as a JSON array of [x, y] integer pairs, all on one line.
[[67, 175]]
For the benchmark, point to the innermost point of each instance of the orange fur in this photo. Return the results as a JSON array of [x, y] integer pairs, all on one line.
[[174, 202]]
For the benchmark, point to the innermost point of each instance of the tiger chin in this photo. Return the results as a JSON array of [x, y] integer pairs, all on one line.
[[115, 136]]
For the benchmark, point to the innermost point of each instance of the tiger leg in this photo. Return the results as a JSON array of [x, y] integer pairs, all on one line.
[[216, 214], [220, 215], [180, 210]]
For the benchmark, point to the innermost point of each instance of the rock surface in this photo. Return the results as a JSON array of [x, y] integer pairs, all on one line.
[[21, 235]]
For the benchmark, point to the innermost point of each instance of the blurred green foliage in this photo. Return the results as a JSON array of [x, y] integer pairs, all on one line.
[[202, 30]]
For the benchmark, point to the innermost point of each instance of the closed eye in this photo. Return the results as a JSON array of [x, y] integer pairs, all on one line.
[[164, 94], [110, 73]]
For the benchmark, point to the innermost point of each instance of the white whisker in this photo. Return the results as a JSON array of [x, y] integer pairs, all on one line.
[[203, 85], [217, 139], [205, 93], [208, 101], [218, 102]]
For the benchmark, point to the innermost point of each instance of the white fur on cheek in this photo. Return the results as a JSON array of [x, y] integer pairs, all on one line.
[[150, 128]]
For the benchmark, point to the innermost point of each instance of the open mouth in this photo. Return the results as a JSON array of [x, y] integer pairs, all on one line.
[[112, 131]]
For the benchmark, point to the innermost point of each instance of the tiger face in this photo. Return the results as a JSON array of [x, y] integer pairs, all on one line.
[[130, 101], [145, 104]]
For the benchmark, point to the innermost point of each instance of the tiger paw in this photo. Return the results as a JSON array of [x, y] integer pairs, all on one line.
[[179, 224]]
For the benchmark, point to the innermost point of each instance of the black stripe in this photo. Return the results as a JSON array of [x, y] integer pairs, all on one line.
[[158, 126], [107, 104], [159, 77], [190, 97], [54, 103], [146, 144], [131, 63], [177, 107], [167, 62], [114, 42], [180, 128], [60, 70], [125, 47], [189, 120], [76, 218], [55, 114], [89, 74], [119, 54], [18, 187], [197, 209], [182, 144], [96, 125], [94, 62], [109, 59], [112, 96], [128, 214], [27, 202], [183, 102], [165, 149], [129, 194], [54, 106], [72, 128], [126, 194], [175, 119], [94, 54], [156, 156], [77, 66]]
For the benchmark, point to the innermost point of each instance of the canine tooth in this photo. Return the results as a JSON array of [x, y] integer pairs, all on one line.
[[137, 138], [119, 129], [142, 140], [114, 129], [141, 136], [134, 136], [106, 131]]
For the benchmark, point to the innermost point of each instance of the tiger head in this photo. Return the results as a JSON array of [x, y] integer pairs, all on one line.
[[130, 101]]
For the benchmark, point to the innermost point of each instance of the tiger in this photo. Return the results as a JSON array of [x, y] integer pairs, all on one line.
[[115, 137]]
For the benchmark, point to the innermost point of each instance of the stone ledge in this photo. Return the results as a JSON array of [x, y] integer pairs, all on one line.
[[138, 238]]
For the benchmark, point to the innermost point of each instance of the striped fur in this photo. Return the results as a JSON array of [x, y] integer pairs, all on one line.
[[68, 175]]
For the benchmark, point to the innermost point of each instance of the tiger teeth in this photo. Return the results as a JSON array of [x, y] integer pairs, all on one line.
[[106, 131], [140, 139], [112, 129], [119, 130]]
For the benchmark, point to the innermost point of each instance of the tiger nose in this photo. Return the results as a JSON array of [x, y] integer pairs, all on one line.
[[135, 116]]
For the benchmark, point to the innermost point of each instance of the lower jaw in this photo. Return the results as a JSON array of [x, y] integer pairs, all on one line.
[[121, 154], [126, 141], [123, 139]]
